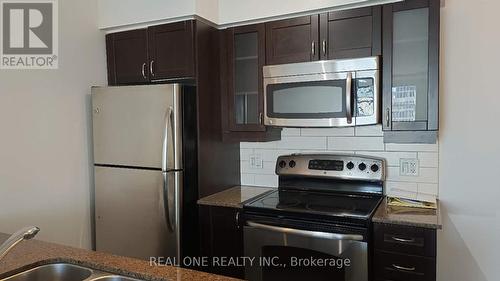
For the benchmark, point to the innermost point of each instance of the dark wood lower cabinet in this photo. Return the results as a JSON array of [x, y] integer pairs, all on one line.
[[404, 253], [221, 237]]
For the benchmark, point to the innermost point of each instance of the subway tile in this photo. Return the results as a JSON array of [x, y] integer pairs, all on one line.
[[269, 144], [245, 153], [247, 179], [290, 132], [327, 151], [356, 143], [272, 154], [302, 143], [327, 132], [426, 175], [428, 159], [268, 168], [412, 147], [391, 157], [369, 131], [428, 188], [266, 180]]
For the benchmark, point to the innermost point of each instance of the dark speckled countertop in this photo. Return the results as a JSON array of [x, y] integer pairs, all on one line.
[[408, 216], [29, 254], [234, 197]]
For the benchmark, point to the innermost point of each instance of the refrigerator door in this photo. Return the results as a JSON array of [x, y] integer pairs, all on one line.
[[138, 126], [137, 212]]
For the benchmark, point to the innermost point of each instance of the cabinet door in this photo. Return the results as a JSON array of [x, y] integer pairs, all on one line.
[[127, 57], [411, 66], [171, 50], [351, 33], [222, 232], [292, 40]]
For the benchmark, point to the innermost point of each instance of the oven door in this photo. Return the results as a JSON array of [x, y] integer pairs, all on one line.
[[293, 254]]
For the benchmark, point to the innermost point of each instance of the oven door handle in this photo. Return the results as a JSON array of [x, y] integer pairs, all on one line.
[[307, 233]]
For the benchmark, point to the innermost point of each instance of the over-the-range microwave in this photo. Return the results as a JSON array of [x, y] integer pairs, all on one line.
[[333, 93]]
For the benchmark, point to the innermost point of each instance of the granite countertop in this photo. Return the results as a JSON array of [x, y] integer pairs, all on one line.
[[426, 218], [234, 197], [29, 254]]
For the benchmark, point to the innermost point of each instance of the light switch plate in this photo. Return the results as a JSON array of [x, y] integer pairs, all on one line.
[[256, 161], [408, 167]]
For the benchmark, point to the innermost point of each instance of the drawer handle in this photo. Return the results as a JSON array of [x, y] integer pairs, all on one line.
[[398, 267], [412, 240]]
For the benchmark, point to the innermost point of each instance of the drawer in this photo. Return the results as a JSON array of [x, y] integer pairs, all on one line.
[[398, 267], [405, 239]]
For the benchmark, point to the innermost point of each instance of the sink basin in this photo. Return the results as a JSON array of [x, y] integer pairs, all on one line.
[[65, 272], [53, 272]]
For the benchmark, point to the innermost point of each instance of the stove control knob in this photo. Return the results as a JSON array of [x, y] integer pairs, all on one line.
[[350, 165], [374, 168], [362, 166], [282, 164], [292, 164]]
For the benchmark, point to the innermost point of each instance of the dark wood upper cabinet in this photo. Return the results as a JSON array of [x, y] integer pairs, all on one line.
[[351, 33], [127, 57], [242, 59], [153, 54], [411, 69], [292, 40], [171, 50]]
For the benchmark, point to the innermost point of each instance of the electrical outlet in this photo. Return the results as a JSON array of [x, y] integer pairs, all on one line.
[[256, 161], [408, 167]]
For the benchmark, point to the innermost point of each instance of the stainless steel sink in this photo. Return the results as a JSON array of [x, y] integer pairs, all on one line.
[[65, 272]]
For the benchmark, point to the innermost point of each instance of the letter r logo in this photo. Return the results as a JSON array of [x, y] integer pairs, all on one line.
[[27, 28]]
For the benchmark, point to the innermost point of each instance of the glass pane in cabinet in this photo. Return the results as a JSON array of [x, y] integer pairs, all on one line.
[[410, 65], [246, 75]]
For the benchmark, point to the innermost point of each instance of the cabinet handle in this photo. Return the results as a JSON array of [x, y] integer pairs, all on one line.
[[387, 117], [412, 240], [313, 48], [144, 71], [398, 267], [261, 118], [151, 67], [323, 47], [237, 219]]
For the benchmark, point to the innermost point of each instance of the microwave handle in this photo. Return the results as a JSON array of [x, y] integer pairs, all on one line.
[[348, 100]]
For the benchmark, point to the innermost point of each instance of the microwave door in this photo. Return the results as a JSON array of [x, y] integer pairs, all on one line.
[[318, 100]]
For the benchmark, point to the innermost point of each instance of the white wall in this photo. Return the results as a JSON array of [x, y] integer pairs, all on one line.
[[360, 140], [469, 246], [44, 133]]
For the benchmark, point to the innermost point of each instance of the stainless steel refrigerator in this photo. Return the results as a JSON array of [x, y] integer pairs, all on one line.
[[145, 169]]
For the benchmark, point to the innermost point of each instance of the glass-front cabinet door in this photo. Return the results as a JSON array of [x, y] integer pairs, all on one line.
[[243, 58], [411, 66]]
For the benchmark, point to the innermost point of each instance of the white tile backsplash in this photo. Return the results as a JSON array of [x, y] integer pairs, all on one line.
[[366, 140]]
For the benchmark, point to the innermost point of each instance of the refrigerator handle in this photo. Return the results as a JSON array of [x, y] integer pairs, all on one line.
[[164, 167]]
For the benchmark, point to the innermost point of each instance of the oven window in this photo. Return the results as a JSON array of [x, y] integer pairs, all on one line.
[[298, 265], [315, 99], [365, 95]]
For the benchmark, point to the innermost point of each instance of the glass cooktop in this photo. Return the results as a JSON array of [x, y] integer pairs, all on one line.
[[320, 203]]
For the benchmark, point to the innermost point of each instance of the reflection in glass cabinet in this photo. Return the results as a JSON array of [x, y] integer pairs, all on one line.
[[246, 70]]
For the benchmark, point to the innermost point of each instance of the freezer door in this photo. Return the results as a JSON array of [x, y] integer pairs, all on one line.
[[137, 212], [138, 126]]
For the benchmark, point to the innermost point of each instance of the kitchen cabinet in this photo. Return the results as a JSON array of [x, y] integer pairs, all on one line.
[[151, 55], [411, 71], [292, 40], [242, 59], [352, 33], [404, 253], [335, 35], [127, 57], [222, 236]]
